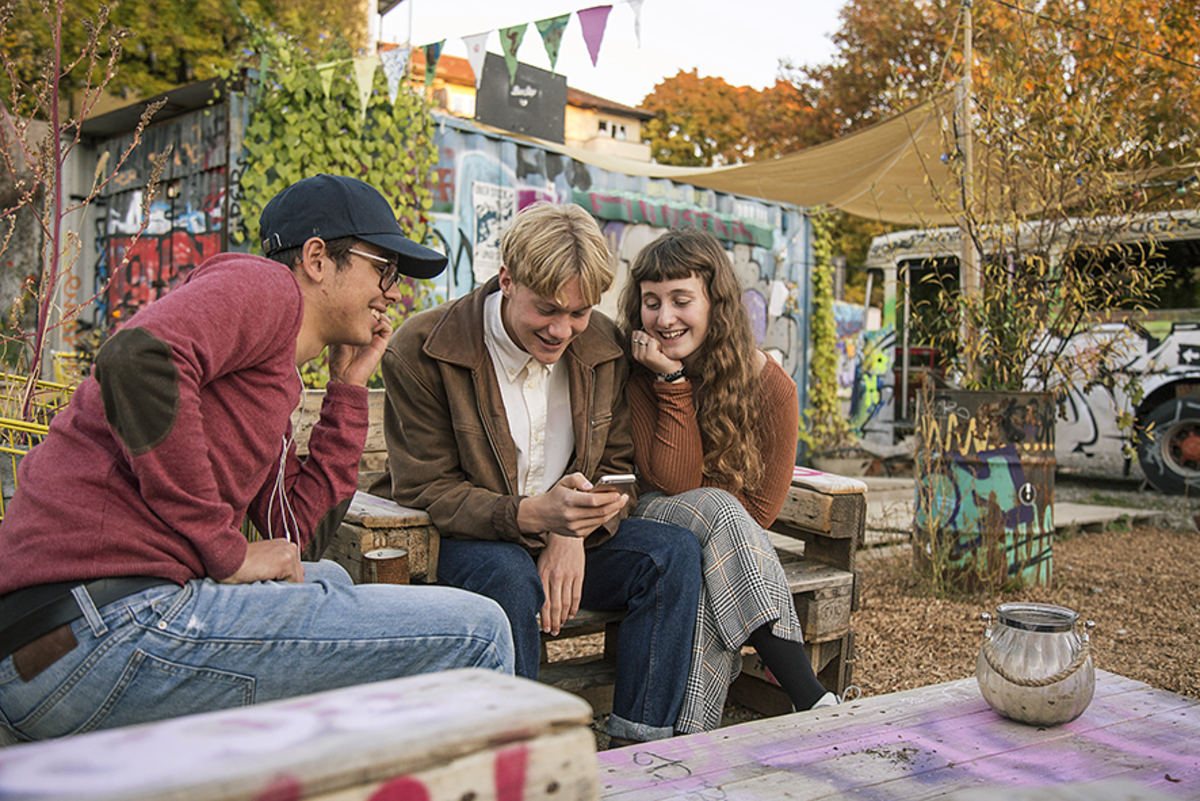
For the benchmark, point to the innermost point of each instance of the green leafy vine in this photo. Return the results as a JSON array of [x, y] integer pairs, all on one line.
[[297, 130], [824, 427]]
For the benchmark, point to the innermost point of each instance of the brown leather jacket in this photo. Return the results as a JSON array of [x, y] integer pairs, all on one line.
[[449, 447]]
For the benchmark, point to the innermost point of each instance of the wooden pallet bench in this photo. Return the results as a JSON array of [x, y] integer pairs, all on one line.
[[818, 564], [816, 536]]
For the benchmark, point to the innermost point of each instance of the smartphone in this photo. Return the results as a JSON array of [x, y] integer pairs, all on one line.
[[620, 482]]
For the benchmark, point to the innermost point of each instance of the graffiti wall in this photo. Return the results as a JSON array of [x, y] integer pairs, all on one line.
[[985, 487], [483, 180], [186, 218]]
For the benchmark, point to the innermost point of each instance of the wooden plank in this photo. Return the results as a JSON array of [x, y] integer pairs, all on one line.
[[807, 510], [827, 483], [807, 576], [919, 744], [331, 742], [576, 676], [375, 512]]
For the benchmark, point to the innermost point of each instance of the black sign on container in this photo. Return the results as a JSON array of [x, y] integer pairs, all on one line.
[[534, 103]]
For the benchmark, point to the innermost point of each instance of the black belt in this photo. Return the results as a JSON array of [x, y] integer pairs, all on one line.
[[34, 612]]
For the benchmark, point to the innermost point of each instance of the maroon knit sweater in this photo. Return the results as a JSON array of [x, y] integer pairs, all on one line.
[[177, 434]]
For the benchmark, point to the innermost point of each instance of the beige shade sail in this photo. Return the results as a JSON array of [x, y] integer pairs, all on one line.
[[900, 170], [895, 170]]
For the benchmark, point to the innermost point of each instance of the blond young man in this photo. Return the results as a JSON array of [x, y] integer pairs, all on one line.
[[504, 407]]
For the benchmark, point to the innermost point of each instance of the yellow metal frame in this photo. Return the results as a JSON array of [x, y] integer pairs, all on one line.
[[16, 438], [48, 398]]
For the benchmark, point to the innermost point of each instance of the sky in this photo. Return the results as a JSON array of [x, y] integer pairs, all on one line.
[[741, 41]]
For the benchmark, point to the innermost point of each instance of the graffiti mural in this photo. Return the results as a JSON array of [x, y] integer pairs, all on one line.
[[873, 374], [186, 221], [182, 233], [985, 478], [1160, 353]]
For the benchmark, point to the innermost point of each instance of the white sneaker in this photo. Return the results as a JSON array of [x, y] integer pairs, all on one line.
[[828, 699], [852, 693]]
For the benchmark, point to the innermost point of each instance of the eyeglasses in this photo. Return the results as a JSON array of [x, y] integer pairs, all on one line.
[[388, 273]]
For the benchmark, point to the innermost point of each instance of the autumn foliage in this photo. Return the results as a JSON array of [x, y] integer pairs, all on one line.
[[1132, 62]]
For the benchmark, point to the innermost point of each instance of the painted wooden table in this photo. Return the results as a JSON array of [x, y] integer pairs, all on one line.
[[937, 741], [461, 734]]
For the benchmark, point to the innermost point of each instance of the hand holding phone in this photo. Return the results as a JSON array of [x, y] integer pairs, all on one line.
[[619, 482]]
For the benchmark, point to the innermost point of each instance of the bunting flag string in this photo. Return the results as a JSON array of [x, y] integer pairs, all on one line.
[[476, 52], [552, 30], [593, 20], [510, 42], [432, 53], [394, 62]]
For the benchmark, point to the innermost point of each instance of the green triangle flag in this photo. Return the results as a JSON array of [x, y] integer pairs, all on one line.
[[510, 41], [552, 33], [432, 53]]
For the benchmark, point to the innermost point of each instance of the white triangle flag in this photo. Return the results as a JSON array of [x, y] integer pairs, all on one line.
[[394, 62], [364, 76], [326, 72], [476, 51], [636, 5]]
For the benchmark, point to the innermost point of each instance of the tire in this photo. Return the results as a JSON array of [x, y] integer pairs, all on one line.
[[1169, 446]]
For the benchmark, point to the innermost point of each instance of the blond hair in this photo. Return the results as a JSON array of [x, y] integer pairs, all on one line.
[[549, 245]]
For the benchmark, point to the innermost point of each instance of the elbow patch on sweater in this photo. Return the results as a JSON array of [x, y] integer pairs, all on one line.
[[325, 532], [139, 385]]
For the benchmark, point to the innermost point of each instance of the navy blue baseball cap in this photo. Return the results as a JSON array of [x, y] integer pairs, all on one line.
[[334, 206]]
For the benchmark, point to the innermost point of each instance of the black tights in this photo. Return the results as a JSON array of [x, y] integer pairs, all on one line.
[[788, 663]]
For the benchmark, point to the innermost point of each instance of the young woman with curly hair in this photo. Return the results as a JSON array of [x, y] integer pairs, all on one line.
[[714, 430]]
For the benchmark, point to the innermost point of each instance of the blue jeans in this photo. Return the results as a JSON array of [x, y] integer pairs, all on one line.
[[170, 651], [650, 569]]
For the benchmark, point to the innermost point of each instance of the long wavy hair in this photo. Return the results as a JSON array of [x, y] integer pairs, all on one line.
[[723, 374]]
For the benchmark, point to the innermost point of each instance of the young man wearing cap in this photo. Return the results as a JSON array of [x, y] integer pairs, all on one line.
[[504, 407], [127, 592]]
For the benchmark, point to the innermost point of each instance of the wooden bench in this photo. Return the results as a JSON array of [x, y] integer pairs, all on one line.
[[817, 536], [373, 522], [446, 736]]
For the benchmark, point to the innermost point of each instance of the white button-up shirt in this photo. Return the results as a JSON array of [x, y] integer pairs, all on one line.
[[537, 402]]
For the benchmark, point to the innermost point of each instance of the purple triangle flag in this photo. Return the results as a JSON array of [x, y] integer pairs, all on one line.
[[552, 33], [510, 42], [593, 20], [432, 53]]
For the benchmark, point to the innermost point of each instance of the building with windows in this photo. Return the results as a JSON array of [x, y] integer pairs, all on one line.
[[591, 123]]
